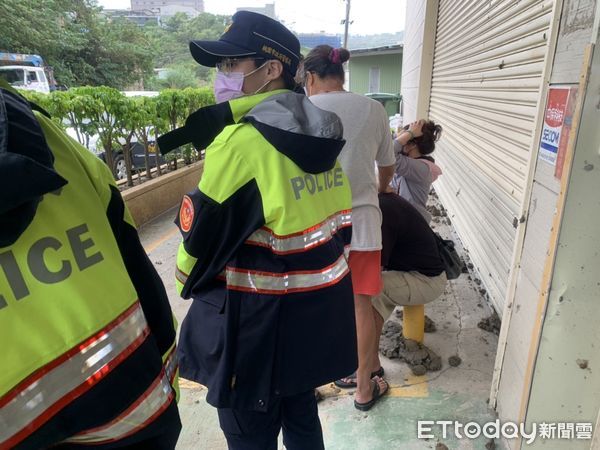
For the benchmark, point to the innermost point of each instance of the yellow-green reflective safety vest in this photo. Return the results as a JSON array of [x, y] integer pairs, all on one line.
[[71, 322], [265, 235]]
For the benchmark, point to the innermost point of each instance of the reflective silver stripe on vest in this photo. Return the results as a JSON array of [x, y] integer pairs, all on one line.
[[303, 241], [149, 406], [180, 275], [44, 396], [171, 364], [287, 282]]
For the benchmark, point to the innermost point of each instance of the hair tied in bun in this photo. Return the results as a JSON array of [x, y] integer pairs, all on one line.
[[334, 56]]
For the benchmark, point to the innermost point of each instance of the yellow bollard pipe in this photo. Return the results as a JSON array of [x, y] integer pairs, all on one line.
[[414, 322]]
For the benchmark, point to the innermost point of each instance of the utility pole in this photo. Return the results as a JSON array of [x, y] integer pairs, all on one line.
[[346, 23]]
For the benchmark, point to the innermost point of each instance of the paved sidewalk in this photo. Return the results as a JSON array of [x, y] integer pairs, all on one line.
[[453, 393]]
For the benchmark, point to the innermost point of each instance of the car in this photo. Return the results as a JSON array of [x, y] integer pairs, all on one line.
[[138, 161], [137, 153], [91, 142]]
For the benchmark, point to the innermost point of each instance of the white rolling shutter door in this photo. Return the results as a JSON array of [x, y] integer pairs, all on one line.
[[487, 73]]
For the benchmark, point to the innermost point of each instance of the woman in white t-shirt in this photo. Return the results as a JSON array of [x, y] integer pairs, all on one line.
[[368, 143]]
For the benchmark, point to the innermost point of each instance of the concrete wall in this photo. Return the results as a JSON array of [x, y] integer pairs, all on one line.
[[568, 359], [417, 60], [154, 197], [527, 306], [575, 31]]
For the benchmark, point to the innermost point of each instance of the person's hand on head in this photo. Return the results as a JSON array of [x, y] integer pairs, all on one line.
[[416, 128]]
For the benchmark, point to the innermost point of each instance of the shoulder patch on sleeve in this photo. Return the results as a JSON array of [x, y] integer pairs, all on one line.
[[186, 214]]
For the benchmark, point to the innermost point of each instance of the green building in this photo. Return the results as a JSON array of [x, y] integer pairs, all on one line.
[[377, 71]]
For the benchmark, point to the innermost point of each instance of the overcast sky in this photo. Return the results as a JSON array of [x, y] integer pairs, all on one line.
[[369, 16]]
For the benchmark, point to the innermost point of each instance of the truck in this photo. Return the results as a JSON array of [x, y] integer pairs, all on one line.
[[27, 72]]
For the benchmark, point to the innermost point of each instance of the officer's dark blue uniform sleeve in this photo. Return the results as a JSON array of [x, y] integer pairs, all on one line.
[[216, 217]]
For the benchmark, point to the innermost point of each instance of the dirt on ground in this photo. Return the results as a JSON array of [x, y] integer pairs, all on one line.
[[419, 357], [582, 363], [491, 324], [436, 210], [490, 445], [454, 361]]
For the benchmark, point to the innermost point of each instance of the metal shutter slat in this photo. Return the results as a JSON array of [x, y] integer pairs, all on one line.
[[487, 74]]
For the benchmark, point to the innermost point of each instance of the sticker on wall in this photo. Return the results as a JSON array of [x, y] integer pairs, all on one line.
[[564, 134], [554, 119]]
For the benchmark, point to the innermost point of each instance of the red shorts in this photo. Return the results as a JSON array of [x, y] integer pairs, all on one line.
[[365, 269]]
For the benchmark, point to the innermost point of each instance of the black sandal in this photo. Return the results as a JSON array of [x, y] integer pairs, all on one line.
[[377, 394], [352, 384]]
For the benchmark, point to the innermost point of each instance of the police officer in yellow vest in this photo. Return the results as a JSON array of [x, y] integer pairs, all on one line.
[[263, 251], [88, 339]]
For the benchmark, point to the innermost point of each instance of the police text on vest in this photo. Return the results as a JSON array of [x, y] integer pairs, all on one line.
[[319, 182], [80, 248]]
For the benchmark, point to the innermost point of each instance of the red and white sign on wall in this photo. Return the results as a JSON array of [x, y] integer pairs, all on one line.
[[554, 118], [566, 131]]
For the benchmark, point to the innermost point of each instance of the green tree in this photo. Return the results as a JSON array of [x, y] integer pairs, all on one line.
[[106, 112], [77, 40], [130, 120], [160, 125], [198, 98], [40, 99], [105, 108], [179, 77], [171, 41], [44, 27], [172, 106], [119, 53], [67, 109], [140, 122]]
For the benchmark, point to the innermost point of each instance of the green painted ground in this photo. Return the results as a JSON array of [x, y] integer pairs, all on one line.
[[454, 393], [391, 425]]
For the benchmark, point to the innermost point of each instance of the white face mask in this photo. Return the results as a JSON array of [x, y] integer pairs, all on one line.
[[229, 85]]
